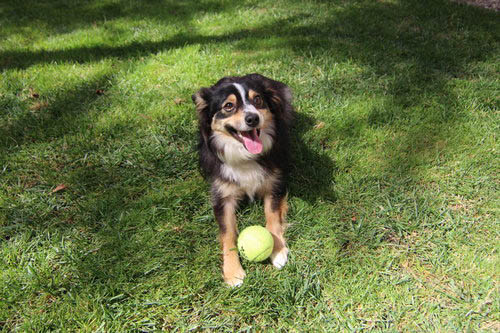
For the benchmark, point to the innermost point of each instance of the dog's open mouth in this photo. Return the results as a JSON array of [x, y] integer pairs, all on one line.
[[250, 139]]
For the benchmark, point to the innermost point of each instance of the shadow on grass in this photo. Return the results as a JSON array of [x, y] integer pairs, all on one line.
[[62, 17], [59, 17], [25, 59], [312, 171]]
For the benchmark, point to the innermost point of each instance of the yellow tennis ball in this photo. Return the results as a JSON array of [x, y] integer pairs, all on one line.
[[255, 243]]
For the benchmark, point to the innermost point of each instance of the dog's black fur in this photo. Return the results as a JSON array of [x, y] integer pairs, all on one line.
[[244, 125]]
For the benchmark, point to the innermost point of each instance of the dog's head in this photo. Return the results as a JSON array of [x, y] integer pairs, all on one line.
[[240, 116]]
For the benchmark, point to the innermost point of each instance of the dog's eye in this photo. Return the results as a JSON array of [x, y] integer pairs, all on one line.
[[228, 106], [257, 101]]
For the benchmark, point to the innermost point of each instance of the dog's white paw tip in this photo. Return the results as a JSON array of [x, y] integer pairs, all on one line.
[[235, 283], [235, 280], [280, 258]]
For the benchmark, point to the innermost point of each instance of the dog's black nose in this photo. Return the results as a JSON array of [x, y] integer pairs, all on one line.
[[252, 119]]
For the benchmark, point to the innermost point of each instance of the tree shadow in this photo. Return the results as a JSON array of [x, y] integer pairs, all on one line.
[[60, 17], [132, 50], [55, 18]]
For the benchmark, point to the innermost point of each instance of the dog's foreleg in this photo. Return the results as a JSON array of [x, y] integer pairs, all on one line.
[[225, 213], [275, 208]]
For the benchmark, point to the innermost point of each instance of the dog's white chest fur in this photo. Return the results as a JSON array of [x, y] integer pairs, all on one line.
[[250, 176]]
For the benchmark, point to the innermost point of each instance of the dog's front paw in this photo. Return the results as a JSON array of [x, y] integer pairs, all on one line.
[[234, 276], [280, 257]]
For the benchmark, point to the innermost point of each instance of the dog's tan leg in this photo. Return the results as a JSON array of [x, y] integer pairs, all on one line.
[[275, 210], [232, 271]]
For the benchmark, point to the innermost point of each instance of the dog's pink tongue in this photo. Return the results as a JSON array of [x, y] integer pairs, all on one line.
[[252, 141]]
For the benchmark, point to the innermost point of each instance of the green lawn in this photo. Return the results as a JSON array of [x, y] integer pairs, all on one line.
[[394, 205]]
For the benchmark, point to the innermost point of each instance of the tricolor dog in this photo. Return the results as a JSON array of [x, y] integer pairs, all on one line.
[[244, 151]]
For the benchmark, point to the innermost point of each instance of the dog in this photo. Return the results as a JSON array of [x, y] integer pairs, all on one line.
[[244, 125]]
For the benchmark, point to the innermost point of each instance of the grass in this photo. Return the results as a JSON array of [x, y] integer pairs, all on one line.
[[393, 195]]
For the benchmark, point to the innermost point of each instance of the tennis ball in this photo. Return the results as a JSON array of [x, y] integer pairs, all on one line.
[[255, 243]]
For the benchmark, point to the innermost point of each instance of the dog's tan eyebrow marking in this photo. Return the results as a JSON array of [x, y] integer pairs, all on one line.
[[231, 99], [251, 94], [223, 112]]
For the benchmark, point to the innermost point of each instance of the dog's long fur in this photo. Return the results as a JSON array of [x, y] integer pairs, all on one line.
[[244, 151]]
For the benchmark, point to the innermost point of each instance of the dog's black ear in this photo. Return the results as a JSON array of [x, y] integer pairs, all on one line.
[[279, 96], [201, 99]]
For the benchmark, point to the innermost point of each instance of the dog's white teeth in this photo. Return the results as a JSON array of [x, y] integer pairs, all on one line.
[[241, 135]]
